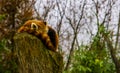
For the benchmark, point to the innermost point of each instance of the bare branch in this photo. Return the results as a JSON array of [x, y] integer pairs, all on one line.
[[118, 31], [97, 11], [62, 13], [75, 33]]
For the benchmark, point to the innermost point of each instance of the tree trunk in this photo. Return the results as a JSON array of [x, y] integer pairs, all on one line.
[[34, 57]]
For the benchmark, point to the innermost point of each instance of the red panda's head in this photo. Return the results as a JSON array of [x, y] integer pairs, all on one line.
[[31, 26]]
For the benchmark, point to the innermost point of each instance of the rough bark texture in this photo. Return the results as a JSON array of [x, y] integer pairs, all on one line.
[[34, 57]]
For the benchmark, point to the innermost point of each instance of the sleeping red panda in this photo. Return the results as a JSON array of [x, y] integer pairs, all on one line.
[[45, 33]]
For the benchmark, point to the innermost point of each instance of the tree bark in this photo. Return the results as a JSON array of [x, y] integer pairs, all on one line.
[[112, 53], [33, 57]]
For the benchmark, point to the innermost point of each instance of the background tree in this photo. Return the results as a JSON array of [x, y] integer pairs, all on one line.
[[13, 13], [76, 23]]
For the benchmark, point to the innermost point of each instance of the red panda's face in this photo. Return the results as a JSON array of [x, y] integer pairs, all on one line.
[[32, 26]]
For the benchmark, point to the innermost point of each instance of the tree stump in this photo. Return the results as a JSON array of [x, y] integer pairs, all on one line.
[[34, 57]]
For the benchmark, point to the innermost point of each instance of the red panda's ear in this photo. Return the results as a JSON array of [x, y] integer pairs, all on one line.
[[45, 22], [34, 26]]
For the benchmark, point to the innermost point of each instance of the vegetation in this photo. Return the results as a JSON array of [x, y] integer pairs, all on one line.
[[86, 61]]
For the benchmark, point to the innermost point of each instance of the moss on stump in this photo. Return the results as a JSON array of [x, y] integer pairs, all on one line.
[[33, 57]]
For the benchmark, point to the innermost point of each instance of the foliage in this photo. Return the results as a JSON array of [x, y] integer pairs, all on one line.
[[94, 58], [88, 61], [2, 17], [3, 46], [7, 64]]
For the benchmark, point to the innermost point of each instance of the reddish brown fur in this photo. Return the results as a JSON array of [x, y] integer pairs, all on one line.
[[41, 30]]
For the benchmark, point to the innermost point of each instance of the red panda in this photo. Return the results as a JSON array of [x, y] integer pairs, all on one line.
[[45, 33]]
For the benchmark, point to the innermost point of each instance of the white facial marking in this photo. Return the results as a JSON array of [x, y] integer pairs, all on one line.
[[34, 26]]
